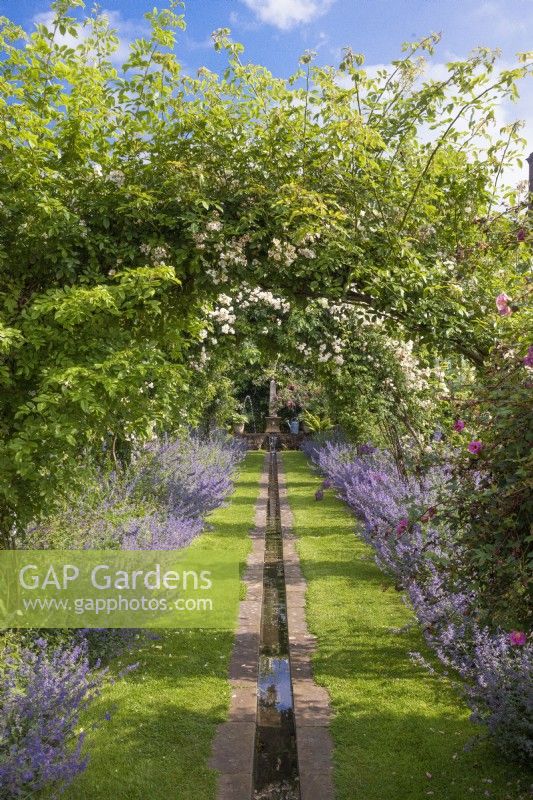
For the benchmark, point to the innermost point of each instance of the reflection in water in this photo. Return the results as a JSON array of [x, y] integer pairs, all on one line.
[[275, 683], [276, 763]]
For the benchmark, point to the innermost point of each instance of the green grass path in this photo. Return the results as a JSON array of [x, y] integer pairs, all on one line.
[[399, 733], [157, 744]]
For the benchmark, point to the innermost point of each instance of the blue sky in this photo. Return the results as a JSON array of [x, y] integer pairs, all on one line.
[[276, 32]]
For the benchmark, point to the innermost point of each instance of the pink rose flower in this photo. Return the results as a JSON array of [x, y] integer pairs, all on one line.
[[475, 447], [517, 638], [402, 526], [502, 302], [459, 425]]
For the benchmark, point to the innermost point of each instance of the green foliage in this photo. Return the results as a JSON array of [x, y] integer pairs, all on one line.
[[493, 504], [316, 423], [237, 418], [131, 198]]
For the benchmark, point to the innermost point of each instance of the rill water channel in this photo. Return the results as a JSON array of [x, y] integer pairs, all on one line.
[[276, 761]]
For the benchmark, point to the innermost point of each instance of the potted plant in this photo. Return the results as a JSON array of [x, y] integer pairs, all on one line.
[[316, 423], [239, 421]]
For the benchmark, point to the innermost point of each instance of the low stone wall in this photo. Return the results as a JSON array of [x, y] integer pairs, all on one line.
[[285, 441]]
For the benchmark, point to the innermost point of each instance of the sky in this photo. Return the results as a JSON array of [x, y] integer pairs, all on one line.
[[276, 32]]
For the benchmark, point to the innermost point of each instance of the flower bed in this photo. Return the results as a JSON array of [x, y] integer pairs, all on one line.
[[160, 502], [413, 544]]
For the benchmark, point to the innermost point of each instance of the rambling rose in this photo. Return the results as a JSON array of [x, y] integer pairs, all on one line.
[[475, 447], [402, 526], [502, 304]]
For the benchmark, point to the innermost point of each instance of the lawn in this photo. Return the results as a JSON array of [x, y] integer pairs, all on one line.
[[164, 715], [399, 732]]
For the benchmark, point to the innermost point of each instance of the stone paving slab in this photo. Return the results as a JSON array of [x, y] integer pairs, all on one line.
[[235, 787], [233, 747], [243, 703], [235, 750], [312, 710]]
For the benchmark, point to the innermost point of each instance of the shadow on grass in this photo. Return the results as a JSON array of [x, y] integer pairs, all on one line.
[[163, 719]]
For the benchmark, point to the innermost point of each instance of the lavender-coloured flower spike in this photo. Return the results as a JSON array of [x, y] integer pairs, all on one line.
[[42, 694], [398, 516], [161, 503]]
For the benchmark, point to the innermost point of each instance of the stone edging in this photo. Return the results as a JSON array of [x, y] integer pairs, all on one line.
[[233, 747], [312, 708]]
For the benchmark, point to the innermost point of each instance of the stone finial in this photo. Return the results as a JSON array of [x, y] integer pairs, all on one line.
[[273, 398]]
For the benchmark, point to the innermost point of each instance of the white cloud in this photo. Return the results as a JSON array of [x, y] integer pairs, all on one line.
[[243, 24], [286, 14], [498, 17], [198, 44], [46, 18], [127, 31]]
